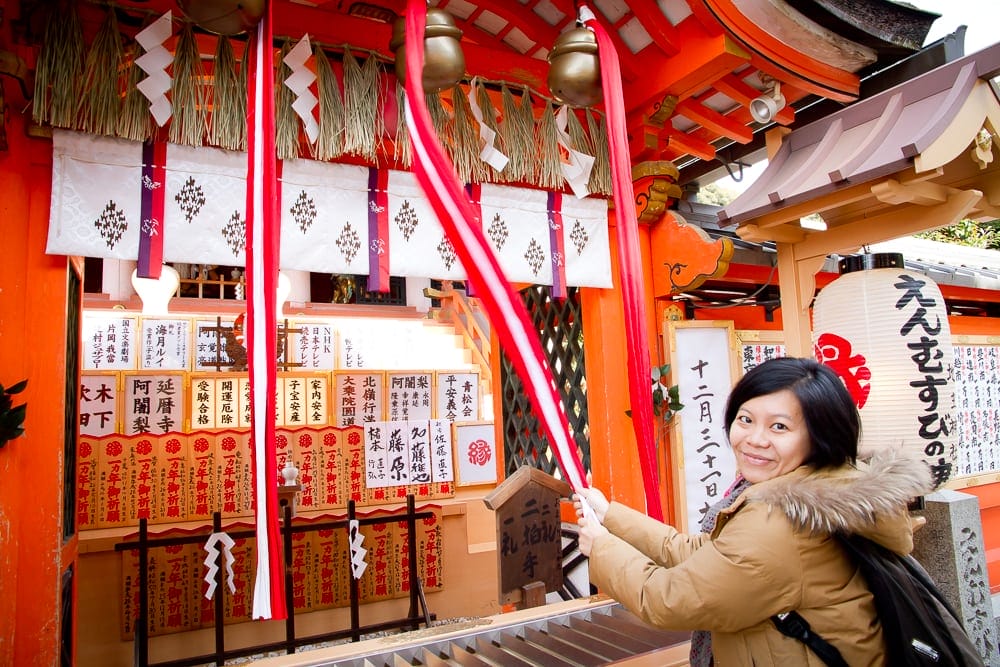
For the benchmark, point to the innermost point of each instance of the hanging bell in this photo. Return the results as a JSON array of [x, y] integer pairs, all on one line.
[[574, 69], [224, 17], [444, 62]]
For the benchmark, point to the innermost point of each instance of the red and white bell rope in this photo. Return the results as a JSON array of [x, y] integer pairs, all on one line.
[[507, 314], [629, 263], [262, 252]]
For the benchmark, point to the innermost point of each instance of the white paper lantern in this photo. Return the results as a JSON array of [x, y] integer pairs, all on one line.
[[885, 331]]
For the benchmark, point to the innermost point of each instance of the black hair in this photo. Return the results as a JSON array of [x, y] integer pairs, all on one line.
[[831, 418]]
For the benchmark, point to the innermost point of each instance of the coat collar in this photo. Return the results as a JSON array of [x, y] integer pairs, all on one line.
[[869, 499]]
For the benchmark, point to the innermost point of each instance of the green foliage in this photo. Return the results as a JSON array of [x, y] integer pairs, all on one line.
[[716, 195], [666, 399], [968, 233], [11, 416]]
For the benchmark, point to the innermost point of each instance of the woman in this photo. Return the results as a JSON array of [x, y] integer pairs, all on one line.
[[768, 546]]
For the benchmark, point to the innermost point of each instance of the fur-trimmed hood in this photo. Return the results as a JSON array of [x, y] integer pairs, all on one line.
[[869, 499]]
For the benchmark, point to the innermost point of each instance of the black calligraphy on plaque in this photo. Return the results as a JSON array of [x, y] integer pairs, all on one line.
[[704, 377], [98, 405]]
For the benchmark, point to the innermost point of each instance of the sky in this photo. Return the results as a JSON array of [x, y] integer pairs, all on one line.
[[981, 17]]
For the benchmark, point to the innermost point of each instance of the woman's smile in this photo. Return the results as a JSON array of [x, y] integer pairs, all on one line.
[[769, 436]]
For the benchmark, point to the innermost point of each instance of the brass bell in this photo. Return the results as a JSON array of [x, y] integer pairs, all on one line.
[[574, 69], [224, 17], [444, 62]]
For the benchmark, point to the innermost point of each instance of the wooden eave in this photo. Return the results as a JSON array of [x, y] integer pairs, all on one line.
[[906, 146]]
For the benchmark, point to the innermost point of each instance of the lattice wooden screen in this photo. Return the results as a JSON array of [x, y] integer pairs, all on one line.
[[560, 328]]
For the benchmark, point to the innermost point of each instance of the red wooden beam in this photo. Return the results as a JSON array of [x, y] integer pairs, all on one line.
[[688, 144], [664, 34], [714, 121], [702, 60]]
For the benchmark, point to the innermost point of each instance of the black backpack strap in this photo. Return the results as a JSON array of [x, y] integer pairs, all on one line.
[[791, 624]]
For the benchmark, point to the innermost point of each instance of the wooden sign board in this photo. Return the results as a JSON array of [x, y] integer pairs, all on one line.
[[314, 345], [358, 397], [154, 403], [529, 532], [409, 396], [457, 395], [756, 347]]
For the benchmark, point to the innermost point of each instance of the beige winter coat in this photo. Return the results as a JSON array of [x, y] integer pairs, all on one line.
[[770, 552]]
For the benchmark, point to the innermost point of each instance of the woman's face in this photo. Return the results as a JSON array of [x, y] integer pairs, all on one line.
[[769, 436]]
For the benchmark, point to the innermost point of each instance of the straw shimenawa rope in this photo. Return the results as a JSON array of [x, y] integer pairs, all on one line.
[[373, 70], [600, 176], [549, 174], [577, 136], [361, 107], [331, 109], [100, 103], [518, 135], [228, 123], [402, 150], [59, 69], [441, 121], [135, 122], [99, 94], [188, 120], [470, 167]]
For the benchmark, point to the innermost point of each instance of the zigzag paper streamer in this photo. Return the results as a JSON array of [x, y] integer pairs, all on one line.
[[575, 166], [301, 79], [154, 63], [487, 137], [358, 552], [211, 562]]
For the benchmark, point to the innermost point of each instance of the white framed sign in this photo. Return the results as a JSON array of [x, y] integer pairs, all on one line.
[[154, 403], [165, 344], [98, 404], [475, 453], [358, 397], [703, 365], [409, 396], [109, 342], [456, 395]]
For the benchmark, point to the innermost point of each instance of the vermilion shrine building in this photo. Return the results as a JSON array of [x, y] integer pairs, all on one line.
[[881, 136]]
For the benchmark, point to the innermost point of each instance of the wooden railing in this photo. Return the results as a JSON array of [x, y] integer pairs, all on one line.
[[212, 288], [416, 614], [457, 310]]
